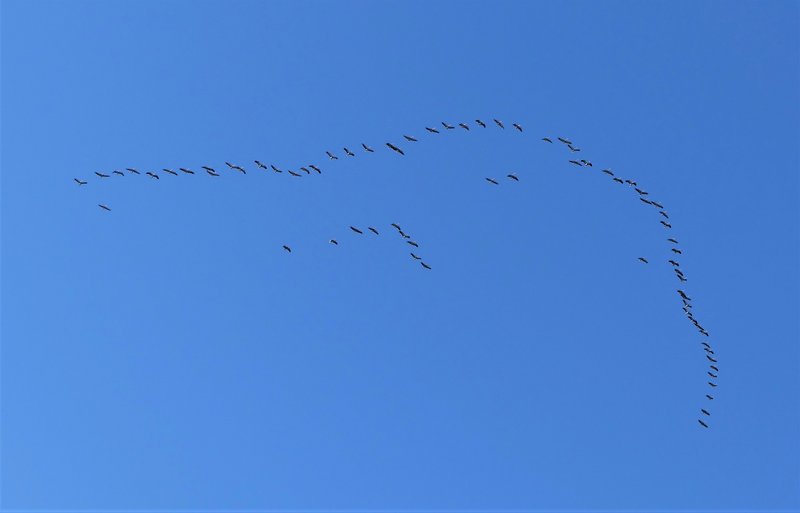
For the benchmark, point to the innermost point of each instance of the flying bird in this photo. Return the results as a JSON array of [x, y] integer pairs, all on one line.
[[712, 384], [711, 359], [79, 182], [464, 126], [212, 173], [712, 375], [170, 171], [120, 173], [396, 226], [315, 168], [415, 257], [676, 250], [565, 141], [575, 162], [349, 153], [644, 260], [714, 367], [513, 177], [356, 230], [704, 411], [673, 262], [409, 138], [432, 130], [275, 168], [413, 243], [373, 230], [618, 180], [104, 207], [608, 172], [209, 169], [187, 171], [449, 127], [293, 173], [333, 241], [586, 162], [367, 148], [673, 241], [332, 156], [150, 173], [702, 423], [236, 167], [481, 123], [287, 248], [132, 170], [259, 164], [663, 214], [709, 397], [659, 205], [395, 148], [667, 225], [101, 175], [306, 170], [547, 139], [426, 266], [499, 123], [491, 181], [516, 125]]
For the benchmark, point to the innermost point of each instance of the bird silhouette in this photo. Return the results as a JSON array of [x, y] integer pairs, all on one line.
[[464, 126], [711, 374], [710, 398], [187, 171], [672, 240], [667, 225], [395, 225], [367, 148], [104, 207], [409, 138], [150, 173], [659, 205], [170, 171], [663, 214], [608, 172], [513, 177], [373, 230], [315, 168], [712, 384], [432, 130], [711, 359], [618, 180], [332, 156], [516, 125], [349, 153], [573, 149], [306, 170], [547, 139], [704, 411], [120, 173], [287, 248], [275, 168], [293, 173], [209, 168], [426, 266], [356, 230], [481, 123], [80, 182], [101, 175], [333, 241], [676, 250], [499, 123], [714, 367], [449, 127], [565, 141], [395, 148], [492, 181], [209, 171], [415, 257], [259, 164], [132, 170], [575, 162], [702, 423], [413, 243], [644, 260], [673, 262]]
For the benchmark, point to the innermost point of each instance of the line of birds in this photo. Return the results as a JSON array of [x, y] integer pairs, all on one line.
[[642, 195]]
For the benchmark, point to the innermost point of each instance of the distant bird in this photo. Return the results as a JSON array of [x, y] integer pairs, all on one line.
[[426, 266], [356, 230], [150, 173], [644, 260], [306, 170], [293, 173], [573, 149], [275, 168], [409, 138], [704, 411], [565, 141], [415, 257], [513, 177], [646, 201], [187, 171], [667, 225], [101, 175], [413, 243], [236, 167], [706, 344], [449, 127], [315, 168], [209, 169], [683, 295], [712, 374], [395, 148], [714, 385], [212, 173], [432, 130], [499, 123], [547, 139], [714, 367], [492, 181], [516, 125], [349, 153], [663, 213], [104, 207], [332, 156], [575, 162], [702, 423], [170, 171], [396, 226], [586, 162], [709, 397], [120, 173], [711, 359], [259, 164], [673, 262], [641, 192], [673, 241], [481, 123], [659, 205], [132, 170], [287, 248], [676, 250], [618, 180], [464, 126], [367, 148], [79, 182], [333, 241], [373, 230], [608, 172]]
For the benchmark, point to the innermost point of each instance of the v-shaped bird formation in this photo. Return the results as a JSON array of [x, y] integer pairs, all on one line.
[[626, 184]]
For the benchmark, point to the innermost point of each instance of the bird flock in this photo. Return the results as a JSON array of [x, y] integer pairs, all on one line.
[[628, 184]]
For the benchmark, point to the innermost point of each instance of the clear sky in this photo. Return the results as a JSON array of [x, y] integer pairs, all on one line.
[[169, 354]]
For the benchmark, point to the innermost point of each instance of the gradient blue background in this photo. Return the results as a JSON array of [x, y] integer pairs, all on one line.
[[169, 354]]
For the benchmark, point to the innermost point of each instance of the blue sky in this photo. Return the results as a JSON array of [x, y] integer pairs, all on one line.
[[169, 354]]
